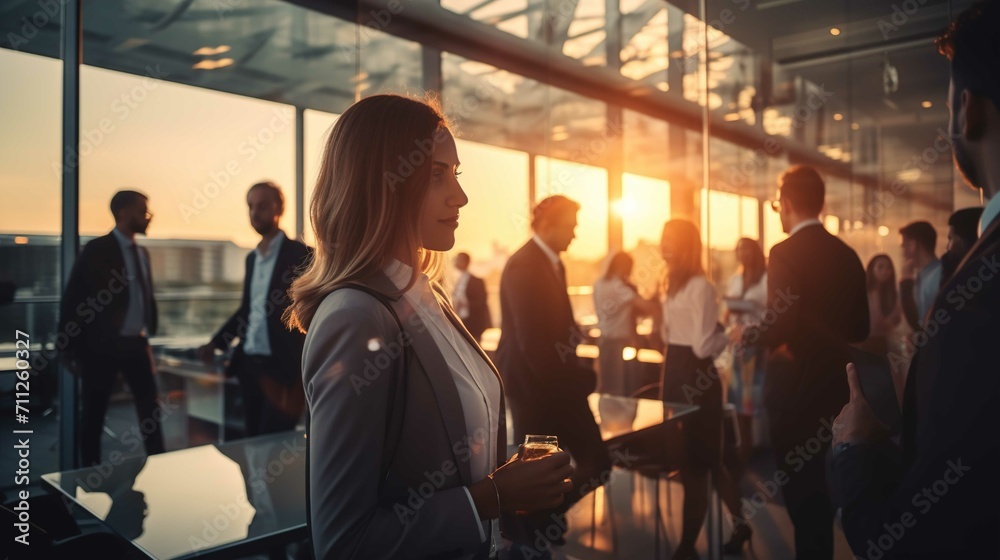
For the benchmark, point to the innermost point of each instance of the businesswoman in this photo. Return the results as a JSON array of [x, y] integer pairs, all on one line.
[[406, 411], [693, 337]]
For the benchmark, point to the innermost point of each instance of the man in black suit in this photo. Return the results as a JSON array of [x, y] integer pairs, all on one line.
[[268, 359], [469, 298], [546, 386], [936, 496], [817, 304], [108, 312]]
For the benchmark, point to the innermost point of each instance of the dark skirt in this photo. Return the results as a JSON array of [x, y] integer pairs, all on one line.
[[689, 379]]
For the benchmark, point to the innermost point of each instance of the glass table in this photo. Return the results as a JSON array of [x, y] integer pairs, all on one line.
[[211, 501], [631, 424]]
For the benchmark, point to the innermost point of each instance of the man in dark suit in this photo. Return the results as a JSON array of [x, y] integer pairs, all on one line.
[[935, 497], [268, 359], [109, 312], [469, 298], [546, 386], [817, 304]]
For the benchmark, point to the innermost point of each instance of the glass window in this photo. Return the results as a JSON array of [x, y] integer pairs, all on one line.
[[318, 125], [644, 208], [30, 233]]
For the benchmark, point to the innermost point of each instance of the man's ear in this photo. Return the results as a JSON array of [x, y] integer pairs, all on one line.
[[972, 115]]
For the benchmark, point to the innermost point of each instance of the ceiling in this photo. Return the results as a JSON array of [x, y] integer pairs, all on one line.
[[291, 53]]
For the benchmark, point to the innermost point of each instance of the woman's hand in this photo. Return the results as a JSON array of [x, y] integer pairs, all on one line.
[[531, 485]]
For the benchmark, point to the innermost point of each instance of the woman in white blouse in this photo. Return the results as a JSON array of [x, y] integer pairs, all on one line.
[[747, 300], [618, 304], [694, 337], [407, 424]]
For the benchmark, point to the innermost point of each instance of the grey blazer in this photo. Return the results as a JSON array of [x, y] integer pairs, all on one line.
[[352, 353]]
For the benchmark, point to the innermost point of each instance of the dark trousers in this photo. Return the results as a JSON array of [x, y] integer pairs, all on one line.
[[794, 438], [270, 403], [132, 357]]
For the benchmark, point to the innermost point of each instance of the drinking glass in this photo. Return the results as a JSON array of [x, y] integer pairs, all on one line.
[[537, 446]]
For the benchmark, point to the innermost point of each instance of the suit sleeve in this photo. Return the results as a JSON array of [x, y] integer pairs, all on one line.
[[860, 324], [236, 325], [77, 288], [783, 292], [476, 293], [347, 406], [155, 319], [939, 494], [541, 336]]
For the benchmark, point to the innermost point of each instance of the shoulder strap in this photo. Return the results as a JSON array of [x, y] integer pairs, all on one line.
[[394, 411], [396, 402]]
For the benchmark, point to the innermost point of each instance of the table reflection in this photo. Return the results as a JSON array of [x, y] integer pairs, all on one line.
[[618, 416], [198, 500]]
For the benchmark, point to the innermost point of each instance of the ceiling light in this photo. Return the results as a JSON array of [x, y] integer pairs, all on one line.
[[883, 231], [213, 64], [209, 51], [838, 117], [926, 104], [855, 126], [834, 31]]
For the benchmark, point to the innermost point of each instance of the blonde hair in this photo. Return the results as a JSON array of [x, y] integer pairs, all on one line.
[[375, 172]]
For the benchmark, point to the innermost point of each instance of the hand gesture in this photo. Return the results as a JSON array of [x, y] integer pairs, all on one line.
[[857, 422]]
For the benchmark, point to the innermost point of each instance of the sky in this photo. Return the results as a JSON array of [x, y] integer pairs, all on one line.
[[195, 152]]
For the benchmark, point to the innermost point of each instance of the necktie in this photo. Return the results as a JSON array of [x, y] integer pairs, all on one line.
[[562, 272], [140, 280]]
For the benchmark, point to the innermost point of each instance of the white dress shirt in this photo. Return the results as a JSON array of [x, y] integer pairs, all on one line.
[[135, 320], [803, 224], [257, 342], [613, 300], [477, 385], [990, 213], [690, 317], [756, 294]]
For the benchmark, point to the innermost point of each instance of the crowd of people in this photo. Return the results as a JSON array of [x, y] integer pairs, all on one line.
[[359, 332]]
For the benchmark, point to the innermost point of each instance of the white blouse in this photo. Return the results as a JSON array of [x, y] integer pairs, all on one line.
[[690, 317], [478, 387], [613, 300], [757, 294]]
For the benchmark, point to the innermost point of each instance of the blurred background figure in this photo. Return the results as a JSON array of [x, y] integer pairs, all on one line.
[[114, 337], [469, 298], [267, 361], [618, 305], [746, 300], [885, 314], [884, 310], [817, 306], [694, 338], [545, 382], [963, 231], [921, 274]]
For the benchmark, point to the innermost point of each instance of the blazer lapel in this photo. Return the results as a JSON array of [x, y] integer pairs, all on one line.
[[435, 368]]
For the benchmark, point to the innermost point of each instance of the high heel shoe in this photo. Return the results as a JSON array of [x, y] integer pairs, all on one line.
[[742, 534]]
